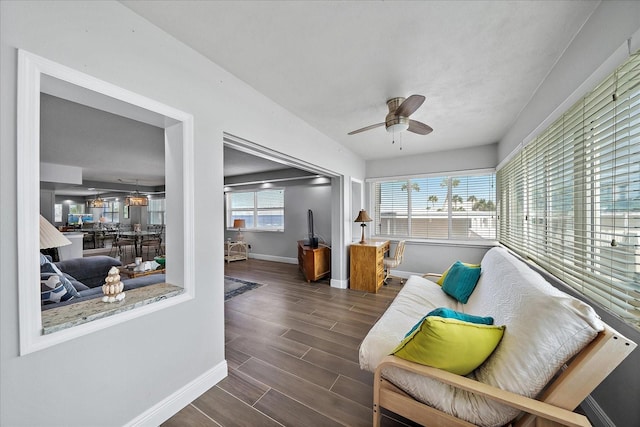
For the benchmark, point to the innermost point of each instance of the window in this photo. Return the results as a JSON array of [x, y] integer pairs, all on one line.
[[261, 210], [156, 211], [76, 209], [460, 207], [57, 216], [570, 200], [111, 211]]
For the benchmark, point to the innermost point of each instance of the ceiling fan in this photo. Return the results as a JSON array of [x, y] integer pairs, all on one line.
[[397, 120]]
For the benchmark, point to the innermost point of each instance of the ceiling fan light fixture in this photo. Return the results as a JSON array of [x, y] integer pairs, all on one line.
[[397, 124]]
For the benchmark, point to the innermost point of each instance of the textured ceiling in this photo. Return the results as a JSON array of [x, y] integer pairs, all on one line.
[[335, 63]]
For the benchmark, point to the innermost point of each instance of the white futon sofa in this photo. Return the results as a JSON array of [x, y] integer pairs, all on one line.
[[545, 329]]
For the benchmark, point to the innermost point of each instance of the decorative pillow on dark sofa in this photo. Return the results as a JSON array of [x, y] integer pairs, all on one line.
[[52, 290], [51, 278]]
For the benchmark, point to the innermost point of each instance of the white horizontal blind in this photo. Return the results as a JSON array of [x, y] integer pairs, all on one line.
[[571, 199], [261, 210], [270, 209], [436, 207]]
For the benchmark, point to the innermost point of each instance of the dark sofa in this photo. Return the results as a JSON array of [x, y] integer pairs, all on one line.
[[87, 277]]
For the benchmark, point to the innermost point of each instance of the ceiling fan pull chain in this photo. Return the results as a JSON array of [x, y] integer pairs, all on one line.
[[393, 137], [400, 141]]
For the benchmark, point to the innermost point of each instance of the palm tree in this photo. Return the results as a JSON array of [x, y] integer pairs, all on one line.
[[445, 183], [455, 199], [433, 199], [414, 186]]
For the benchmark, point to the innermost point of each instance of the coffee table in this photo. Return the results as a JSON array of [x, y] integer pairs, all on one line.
[[129, 272]]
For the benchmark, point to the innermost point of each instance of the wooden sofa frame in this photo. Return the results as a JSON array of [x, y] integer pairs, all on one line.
[[553, 407]]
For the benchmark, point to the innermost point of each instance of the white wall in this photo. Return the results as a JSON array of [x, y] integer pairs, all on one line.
[[136, 364], [596, 51], [443, 161]]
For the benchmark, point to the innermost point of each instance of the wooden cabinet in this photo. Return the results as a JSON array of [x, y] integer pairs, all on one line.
[[367, 266], [315, 263]]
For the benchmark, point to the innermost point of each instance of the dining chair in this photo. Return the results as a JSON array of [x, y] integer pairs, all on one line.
[[120, 245], [154, 241]]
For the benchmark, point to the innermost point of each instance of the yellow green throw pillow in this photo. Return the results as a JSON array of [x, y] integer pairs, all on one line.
[[450, 344], [444, 274]]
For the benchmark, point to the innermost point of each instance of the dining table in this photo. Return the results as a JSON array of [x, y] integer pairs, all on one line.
[[138, 236]]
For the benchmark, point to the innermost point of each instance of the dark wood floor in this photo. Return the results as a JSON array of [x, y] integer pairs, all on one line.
[[292, 352]]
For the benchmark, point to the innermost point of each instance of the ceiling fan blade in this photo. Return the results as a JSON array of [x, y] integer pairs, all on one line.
[[419, 128], [366, 128], [410, 105]]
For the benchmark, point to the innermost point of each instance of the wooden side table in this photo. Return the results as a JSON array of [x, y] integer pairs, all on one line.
[[314, 263], [236, 251]]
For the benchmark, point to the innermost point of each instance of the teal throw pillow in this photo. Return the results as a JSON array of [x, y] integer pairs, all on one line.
[[447, 313], [461, 281]]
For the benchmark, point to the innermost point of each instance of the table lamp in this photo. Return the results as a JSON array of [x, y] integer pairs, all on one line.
[[51, 238], [239, 224], [363, 217]]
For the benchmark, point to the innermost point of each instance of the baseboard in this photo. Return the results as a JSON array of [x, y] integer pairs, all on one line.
[[169, 406], [404, 274], [594, 412], [274, 258], [340, 284]]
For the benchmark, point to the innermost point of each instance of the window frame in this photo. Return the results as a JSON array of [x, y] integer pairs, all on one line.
[[179, 135], [161, 212], [449, 240], [109, 211], [254, 211]]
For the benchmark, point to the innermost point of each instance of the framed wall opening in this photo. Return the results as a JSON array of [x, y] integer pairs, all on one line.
[[36, 73], [338, 254]]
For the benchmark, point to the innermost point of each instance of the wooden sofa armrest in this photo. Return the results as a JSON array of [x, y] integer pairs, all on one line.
[[431, 275], [525, 404]]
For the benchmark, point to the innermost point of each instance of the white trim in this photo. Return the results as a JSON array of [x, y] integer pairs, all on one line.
[[340, 284], [169, 406], [31, 70], [452, 174], [274, 258]]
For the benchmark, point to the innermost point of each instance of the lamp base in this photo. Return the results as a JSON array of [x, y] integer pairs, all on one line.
[[362, 241], [239, 237]]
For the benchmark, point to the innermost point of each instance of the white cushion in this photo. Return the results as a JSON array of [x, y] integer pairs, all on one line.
[[545, 328], [417, 297]]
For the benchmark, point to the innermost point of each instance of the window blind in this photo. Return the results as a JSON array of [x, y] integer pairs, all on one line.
[[436, 207], [570, 200], [263, 209]]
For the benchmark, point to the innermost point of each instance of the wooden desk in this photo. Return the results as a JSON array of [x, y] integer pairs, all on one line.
[[315, 263], [367, 266]]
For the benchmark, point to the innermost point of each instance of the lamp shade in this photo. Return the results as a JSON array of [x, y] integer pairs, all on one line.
[[363, 217], [239, 223], [50, 237]]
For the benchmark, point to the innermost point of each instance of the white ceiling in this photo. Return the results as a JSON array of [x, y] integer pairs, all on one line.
[[335, 63]]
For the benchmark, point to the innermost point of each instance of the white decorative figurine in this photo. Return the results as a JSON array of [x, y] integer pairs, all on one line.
[[113, 287]]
